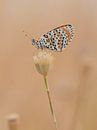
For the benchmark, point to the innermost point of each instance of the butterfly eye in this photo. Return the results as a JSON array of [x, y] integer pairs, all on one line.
[[33, 41]]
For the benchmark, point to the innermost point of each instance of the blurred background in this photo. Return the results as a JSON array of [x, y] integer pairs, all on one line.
[[73, 79]]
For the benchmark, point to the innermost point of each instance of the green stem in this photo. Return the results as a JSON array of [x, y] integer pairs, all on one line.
[[50, 102]]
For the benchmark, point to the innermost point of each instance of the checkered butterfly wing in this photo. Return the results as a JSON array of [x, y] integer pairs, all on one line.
[[58, 38]]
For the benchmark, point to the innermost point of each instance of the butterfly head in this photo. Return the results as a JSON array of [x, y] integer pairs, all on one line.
[[33, 41]]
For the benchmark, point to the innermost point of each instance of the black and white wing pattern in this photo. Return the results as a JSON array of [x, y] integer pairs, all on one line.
[[58, 38]]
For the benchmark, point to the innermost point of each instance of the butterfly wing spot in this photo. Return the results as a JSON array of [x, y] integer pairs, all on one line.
[[71, 30], [46, 36]]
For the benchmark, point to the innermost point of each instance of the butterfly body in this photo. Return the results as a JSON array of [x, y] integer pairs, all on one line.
[[56, 39]]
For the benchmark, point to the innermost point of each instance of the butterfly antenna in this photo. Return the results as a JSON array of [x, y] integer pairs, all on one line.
[[27, 35]]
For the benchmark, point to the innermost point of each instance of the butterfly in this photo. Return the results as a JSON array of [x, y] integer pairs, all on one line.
[[56, 39]]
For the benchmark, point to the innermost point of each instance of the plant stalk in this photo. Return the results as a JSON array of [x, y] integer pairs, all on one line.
[[50, 102]]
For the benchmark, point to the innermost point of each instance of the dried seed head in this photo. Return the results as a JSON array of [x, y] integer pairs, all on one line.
[[43, 62]]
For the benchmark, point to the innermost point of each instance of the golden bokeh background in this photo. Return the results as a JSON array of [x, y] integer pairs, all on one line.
[[73, 79]]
